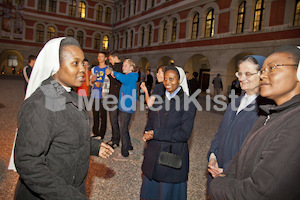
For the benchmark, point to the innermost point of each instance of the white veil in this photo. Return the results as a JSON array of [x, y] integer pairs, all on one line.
[[46, 65], [183, 81]]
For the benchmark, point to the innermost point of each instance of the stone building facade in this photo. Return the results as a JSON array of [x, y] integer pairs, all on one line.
[[206, 36]]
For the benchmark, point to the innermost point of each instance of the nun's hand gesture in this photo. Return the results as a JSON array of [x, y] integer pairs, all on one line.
[[213, 166], [148, 135], [105, 150]]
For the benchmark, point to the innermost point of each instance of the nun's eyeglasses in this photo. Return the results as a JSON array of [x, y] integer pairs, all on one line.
[[247, 74], [271, 68]]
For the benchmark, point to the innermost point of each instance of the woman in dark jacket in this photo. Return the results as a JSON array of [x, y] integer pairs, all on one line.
[[239, 117], [168, 130], [53, 142], [267, 166]]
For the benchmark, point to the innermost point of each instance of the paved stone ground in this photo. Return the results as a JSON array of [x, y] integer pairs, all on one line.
[[108, 179]]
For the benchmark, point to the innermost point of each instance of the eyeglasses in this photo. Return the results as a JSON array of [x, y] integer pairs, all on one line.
[[271, 68], [247, 74]]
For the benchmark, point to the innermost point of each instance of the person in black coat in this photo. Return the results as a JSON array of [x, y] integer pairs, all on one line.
[[267, 165], [114, 90], [239, 117], [149, 80], [53, 144], [167, 130], [194, 83]]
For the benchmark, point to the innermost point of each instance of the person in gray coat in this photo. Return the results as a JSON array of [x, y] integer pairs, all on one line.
[[267, 166], [53, 145]]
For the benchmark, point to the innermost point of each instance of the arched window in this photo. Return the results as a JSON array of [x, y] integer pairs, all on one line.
[[195, 26], [8, 1], [97, 40], [210, 23], [113, 42], [134, 7], [50, 33], [297, 14], [241, 18], [259, 15], [131, 38], [19, 2], [152, 3], [120, 12], [99, 13], [72, 8], [116, 15], [107, 15], [129, 8], [52, 6], [80, 38], [105, 42], [174, 30], [164, 33], [118, 42], [42, 5], [81, 9], [146, 4], [39, 34], [142, 36], [126, 39], [149, 34], [70, 33]]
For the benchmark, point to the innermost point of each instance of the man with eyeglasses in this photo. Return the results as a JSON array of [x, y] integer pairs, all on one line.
[[267, 166]]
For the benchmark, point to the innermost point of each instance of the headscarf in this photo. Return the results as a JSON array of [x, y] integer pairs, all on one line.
[[183, 81], [46, 65], [260, 59]]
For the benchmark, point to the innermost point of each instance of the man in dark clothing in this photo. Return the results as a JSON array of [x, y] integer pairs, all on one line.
[[149, 81], [194, 83], [218, 85], [27, 70], [114, 90]]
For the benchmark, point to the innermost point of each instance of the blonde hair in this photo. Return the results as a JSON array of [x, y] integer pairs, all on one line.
[[131, 63]]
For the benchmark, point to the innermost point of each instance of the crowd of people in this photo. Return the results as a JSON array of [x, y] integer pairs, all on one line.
[[254, 154]]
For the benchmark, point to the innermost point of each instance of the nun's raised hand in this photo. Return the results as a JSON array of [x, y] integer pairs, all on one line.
[[105, 150]]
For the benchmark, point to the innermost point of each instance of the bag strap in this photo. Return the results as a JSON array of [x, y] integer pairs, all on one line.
[[171, 147]]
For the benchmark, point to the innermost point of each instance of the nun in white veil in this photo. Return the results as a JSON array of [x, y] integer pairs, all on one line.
[[183, 81], [53, 144]]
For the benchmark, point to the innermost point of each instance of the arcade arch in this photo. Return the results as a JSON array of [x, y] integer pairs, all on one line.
[[143, 63], [11, 62], [199, 63]]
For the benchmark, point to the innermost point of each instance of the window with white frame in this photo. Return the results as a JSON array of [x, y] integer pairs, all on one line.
[[99, 13], [81, 9], [39, 33], [195, 25], [241, 18], [50, 32], [259, 15], [174, 30], [209, 24]]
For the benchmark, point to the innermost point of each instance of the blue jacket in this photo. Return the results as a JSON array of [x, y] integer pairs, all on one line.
[[233, 130], [128, 95], [170, 128]]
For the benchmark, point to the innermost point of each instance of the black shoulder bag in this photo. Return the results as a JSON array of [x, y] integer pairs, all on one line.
[[169, 159]]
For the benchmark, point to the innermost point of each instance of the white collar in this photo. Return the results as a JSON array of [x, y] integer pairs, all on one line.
[[170, 96]]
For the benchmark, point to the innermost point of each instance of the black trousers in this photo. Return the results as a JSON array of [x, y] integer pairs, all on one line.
[[114, 120], [124, 133], [100, 118]]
